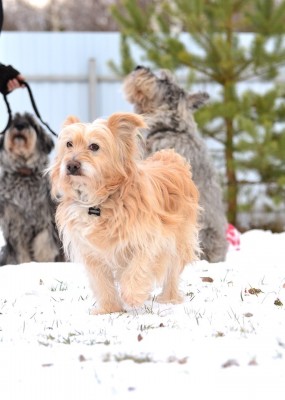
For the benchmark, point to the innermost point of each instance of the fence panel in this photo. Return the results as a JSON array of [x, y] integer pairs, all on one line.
[[68, 73]]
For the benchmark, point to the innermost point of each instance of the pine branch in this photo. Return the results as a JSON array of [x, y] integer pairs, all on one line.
[[212, 134]]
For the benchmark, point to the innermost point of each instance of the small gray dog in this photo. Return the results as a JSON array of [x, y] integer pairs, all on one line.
[[26, 209], [168, 110]]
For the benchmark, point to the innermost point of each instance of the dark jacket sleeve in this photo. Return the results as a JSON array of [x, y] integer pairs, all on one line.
[[7, 72]]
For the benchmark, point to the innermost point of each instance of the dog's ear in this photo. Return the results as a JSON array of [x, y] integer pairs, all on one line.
[[71, 119], [197, 100], [124, 128], [1, 141], [124, 123], [165, 74]]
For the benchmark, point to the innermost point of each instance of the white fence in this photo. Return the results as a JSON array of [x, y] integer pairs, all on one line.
[[68, 73]]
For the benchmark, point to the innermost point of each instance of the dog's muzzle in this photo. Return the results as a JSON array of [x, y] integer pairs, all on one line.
[[18, 135], [21, 125], [20, 130], [73, 168]]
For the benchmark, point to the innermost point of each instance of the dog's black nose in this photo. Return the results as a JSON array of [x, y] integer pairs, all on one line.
[[138, 67], [73, 168], [20, 125]]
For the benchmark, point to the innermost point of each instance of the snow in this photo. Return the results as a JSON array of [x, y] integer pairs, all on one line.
[[227, 340]]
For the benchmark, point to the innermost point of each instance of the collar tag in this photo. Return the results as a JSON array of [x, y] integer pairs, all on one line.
[[94, 211]]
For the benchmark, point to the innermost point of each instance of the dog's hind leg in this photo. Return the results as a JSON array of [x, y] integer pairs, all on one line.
[[170, 291], [103, 287], [214, 244]]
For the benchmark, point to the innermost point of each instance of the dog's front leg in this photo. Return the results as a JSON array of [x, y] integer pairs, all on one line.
[[136, 281], [103, 287]]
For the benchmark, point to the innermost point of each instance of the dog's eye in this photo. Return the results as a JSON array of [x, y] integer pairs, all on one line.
[[94, 147], [69, 144]]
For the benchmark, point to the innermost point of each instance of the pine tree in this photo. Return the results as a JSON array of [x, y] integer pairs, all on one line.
[[243, 122]]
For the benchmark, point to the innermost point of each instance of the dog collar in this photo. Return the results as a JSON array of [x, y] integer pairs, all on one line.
[[24, 171], [94, 211]]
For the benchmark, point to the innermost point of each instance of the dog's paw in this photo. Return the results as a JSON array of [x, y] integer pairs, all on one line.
[[109, 310], [133, 295], [163, 299], [133, 299]]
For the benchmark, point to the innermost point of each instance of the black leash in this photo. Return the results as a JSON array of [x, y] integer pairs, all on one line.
[[9, 114], [34, 107]]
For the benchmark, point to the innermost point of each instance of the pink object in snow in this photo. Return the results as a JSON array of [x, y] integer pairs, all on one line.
[[233, 237]]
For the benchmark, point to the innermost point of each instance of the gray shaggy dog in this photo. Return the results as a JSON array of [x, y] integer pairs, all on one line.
[[168, 110], [26, 209]]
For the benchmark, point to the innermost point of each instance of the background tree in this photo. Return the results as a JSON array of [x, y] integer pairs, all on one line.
[[244, 123]]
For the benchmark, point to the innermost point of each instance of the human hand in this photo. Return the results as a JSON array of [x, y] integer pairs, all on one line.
[[10, 78], [15, 83]]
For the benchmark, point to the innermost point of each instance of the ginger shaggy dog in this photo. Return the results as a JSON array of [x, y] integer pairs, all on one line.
[[26, 208], [168, 110], [131, 222]]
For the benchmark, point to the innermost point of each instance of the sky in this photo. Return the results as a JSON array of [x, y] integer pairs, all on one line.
[[226, 340]]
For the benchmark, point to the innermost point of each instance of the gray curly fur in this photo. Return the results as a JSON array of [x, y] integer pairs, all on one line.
[[168, 110], [26, 209]]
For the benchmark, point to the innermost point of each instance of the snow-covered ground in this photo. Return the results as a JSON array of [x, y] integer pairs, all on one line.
[[226, 341]]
